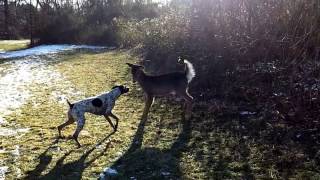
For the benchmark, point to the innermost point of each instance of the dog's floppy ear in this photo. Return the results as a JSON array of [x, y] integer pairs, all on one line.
[[114, 87]]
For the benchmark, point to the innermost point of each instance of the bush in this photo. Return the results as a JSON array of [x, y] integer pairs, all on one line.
[[258, 53]]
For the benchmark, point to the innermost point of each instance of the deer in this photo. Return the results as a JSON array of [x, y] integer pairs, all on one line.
[[176, 83]]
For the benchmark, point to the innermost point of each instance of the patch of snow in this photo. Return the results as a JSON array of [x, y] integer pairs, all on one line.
[[110, 171], [164, 173], [45, 49], [12, 132], [298, 135], [278, 94], [85, 133], [245, 137], [243, 113], [2, 120], [16, 154], [107, 173], [62, 95], [119, 154], [12, 91], [16, 79], [2, 151], [102, 176], [3, 171]]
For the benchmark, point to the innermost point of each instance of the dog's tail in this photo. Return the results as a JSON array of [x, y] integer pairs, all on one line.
[[190, 72], [70, 105]]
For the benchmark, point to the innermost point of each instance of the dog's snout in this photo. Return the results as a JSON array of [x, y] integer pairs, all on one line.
[[126, 89]]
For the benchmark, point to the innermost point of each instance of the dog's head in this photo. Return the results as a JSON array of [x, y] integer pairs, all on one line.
[[136, 70], [122, 89]]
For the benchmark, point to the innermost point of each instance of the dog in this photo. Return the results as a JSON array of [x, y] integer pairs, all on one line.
[[99, 105], [176, 83]]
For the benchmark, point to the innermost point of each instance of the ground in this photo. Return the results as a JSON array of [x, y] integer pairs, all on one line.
[[163, 147], [13, 45]]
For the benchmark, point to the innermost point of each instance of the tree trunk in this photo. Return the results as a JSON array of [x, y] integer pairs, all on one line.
[[6, 19], [31, 26]]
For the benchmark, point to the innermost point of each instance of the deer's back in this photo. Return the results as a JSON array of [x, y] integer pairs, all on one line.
[[164, 84]]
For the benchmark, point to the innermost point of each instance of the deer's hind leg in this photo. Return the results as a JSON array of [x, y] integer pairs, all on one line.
[[188, 102]]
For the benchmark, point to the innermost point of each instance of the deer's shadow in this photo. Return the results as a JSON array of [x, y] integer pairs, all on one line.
[[150, 162]]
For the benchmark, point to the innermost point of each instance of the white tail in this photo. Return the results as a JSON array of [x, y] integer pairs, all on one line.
[[190, 72]]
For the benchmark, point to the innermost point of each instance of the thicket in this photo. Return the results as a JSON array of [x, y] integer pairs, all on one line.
[[91, 21], [263, 53]]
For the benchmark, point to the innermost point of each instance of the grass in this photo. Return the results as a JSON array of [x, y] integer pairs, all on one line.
[[13, 45], [163, 147]]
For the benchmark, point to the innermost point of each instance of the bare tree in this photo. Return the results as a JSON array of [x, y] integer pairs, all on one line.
[[6, 19]]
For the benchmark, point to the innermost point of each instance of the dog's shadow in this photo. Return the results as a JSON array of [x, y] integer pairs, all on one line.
[[61, 170], [153, 163]]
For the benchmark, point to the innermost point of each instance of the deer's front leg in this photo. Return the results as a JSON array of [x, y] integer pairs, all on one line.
[[149, 101]]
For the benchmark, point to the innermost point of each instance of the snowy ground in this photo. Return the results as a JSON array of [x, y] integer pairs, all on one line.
[[20, 70]]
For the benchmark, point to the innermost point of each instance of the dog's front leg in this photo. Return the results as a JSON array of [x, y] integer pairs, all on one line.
[[116, 118], [110, 122]]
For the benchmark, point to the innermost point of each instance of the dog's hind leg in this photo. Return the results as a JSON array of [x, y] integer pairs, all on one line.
[[80, 125], [69, 121]]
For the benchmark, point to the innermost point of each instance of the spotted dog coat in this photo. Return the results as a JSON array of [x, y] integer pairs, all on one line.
[[98, 105]]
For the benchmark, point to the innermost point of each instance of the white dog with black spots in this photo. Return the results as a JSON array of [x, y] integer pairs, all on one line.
[[99, 105]]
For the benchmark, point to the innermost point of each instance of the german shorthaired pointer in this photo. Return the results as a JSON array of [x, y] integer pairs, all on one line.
[[99, 105]]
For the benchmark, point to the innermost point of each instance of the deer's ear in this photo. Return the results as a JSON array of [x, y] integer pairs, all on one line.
[[139, 66], [130, 65]]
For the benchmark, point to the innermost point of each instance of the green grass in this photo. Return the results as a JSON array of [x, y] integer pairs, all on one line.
[[12, 45], [163, 147]]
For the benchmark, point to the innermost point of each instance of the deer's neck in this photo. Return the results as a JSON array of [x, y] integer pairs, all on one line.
[[142, 79]]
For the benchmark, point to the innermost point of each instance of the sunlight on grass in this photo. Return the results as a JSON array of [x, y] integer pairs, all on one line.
[[11, 45]]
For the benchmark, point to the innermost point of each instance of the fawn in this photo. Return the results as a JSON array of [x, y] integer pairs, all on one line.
[[172, 83]]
